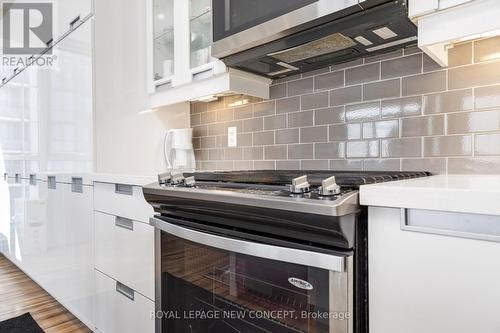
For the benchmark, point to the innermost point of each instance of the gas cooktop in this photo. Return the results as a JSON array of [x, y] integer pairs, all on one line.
[[318, 192]]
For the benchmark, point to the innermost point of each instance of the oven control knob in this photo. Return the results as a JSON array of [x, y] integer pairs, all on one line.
[[177, 177], [164, 178], [329, 187], [189, 181], [300, 185]]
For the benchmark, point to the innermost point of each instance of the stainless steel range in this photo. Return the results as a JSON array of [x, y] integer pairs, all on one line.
[[262, 251]]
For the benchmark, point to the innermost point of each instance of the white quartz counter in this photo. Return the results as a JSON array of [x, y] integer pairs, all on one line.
[[124, 179], [478, 194]]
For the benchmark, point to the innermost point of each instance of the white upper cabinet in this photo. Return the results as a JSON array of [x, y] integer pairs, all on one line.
[[444, 23], [66, 11], [181, 67]]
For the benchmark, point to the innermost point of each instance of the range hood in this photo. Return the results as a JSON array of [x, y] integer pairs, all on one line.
[[366, 28]]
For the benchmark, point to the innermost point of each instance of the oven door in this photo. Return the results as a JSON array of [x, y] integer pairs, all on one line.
[[211, 283], [242, 24]]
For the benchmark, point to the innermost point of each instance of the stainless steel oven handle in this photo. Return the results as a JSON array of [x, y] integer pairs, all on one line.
[[295, 256]]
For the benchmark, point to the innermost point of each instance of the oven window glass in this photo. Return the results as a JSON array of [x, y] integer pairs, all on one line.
[[233, 16], [205, 289]]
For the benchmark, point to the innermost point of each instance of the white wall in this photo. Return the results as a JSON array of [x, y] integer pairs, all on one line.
[[128, 138]]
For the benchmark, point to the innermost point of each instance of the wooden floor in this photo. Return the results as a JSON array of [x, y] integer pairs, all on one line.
[[19, 294]]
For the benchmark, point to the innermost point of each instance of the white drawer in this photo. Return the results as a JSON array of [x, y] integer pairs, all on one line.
[[124, 250], [118, 309], [122, 200]]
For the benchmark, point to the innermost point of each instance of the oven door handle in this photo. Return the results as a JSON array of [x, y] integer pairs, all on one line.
[[295, 256]]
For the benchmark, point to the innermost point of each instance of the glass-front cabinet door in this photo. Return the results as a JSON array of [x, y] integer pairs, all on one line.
[[200, 24], [163, 39]]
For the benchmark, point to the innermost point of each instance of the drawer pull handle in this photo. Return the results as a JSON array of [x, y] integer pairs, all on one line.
[[454, 224], [125, 291], [33, 179], [123, 189], [51, 182], [18, 178], [124, 223], [72, 24], [77, 185]]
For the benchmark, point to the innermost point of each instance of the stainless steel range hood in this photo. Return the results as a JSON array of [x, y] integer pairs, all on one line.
[[355, 30]]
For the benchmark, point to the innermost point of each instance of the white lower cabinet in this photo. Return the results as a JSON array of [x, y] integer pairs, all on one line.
[[124, 250], [423, 282], [79, 264], [64, 266], [122, 200], [119, 309]]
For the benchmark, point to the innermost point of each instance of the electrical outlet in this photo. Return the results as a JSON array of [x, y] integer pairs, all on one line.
[[232, 136]]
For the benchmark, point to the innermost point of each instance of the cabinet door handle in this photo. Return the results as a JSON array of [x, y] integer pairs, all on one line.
[[125, 291], [18, 178], [51, 182], [124, 223], [33, 179], [124, 189], [77, 184], [73, 22]]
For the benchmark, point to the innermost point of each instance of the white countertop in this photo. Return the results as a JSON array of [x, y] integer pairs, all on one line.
[[478, 194], [89, 178], [124, 179]]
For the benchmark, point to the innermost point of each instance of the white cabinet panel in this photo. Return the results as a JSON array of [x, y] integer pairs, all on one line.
[[122, 200], [4, 216], [430, 283], [60, 99], [53, 258], [65, 11], [124, 250], [78, 219], [30, 229], [117, 313]]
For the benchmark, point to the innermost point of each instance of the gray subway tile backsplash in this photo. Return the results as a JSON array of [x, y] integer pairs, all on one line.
[[487, 97], [314, 134], [275, 152], [362, 112], [301, 119], [395, 111], [362, 74], [275, 122], [470, 122], [358, 149], [346, 95], [487, 144], [382, 89], [422, 126], [329, 81], [284, 136], [474, 75], [381, 129], [301, 87], [486, 49], [456, 145], [402, 107], [263, 138], [424, 83], [289, 104], [449, 101], [301, 151], [402, 66], [331, 115], [314, 101]]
